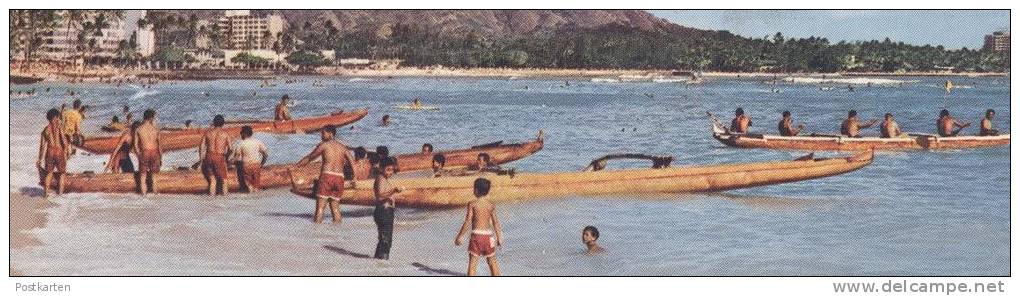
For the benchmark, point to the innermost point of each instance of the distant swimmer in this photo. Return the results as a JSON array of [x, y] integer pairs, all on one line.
[[850, 87], [426, 148], [486, 234], [187, 124], [53, 152], [282, 111], [149, 149], [741, 123], [330, 188], [213, 152], [889, 127], [416, 103], [590, 237], [852, 126], [249, 155], [385, 120], [786, 127], [946, 124], [987, 128]]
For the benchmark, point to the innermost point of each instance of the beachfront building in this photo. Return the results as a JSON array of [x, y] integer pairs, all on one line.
[[146, 40], [246, 31], [63, 44], [998, 41]]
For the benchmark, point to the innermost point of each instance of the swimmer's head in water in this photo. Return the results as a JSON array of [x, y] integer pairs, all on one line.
[[943, 113], [482, 186], [739, 111], [426, 148], [851, 114], [786, 114], [989, 113], [589, 235]]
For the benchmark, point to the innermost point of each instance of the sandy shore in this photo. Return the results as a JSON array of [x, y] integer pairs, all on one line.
[[26, 214], [108, 73]]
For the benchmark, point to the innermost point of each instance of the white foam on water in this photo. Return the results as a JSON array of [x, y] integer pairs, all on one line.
[[854, 80]]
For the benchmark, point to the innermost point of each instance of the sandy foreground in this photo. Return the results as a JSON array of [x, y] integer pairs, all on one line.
[[26, 214]]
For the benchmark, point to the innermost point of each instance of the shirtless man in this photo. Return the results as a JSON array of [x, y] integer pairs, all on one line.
[[213, 152], [482, 216], [335, 156], [852, 126], [53, 152], [786, 126], [946, 124], [890, 129], [282, 112], [741, 123], [149, 149], [250, 155], [987, 128]]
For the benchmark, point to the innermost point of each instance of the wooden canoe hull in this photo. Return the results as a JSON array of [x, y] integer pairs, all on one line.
[[274, 176], [445, 192], [191, 138], [838, 143]]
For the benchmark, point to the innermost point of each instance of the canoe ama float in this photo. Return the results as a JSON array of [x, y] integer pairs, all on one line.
[[274, 176], [179, 139], [843, 143], [445, 192]]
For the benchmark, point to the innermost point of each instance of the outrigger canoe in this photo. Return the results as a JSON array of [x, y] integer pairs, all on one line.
[[179, 139], [446, 192], [844, 143], [273, 176]]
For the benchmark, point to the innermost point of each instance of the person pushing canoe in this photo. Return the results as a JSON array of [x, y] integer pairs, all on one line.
[[987, 128], [948, 126], [786, 127], [53, 152], [149, 149], [481, 213], [889, 127], [250, 155], [852, 126], [213, 152], [335, 156], [741, 122], [282, 112]]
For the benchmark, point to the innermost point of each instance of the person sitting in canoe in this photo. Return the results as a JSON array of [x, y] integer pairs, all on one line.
[[115, 125], [852, 126], [426, 148], [282, 112], [485, 164], [481, 214], [438, 165], [53, 152], [213, 152], [987, 129], [889, 127], [741, 122], [335, 156], [947, 125], [120, 160], [590, 237], [250, 155], [786, 127], [149, 149]]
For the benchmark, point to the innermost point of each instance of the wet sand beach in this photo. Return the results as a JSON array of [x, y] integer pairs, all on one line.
[[26, 213]]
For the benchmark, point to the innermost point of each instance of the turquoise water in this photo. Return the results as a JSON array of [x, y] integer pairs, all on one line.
[[910, 213]]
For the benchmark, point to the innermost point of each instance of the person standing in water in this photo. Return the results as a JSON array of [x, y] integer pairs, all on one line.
[[282, 112], [590, 237], [335, 156], [213, 152], [250, 154], [385, 204], [149, 149], [53, 153], [481, 214]]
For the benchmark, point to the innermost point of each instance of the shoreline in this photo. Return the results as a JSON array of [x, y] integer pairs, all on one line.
[[26, 214], [110, 74]]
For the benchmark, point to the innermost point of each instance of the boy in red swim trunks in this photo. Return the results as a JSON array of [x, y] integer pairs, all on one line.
[[482, 216], [53, 151], [335, 156], [213, 152]]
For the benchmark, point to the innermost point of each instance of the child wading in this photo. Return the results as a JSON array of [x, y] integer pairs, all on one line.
[[482, 216]]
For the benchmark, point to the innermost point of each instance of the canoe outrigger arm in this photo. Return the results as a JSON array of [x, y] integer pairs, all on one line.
[[717, 126], [658, 162]]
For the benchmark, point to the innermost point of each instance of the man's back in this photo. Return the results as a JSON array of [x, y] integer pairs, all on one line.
[[334, 156], [217, 141], [250, 150], [147, 135]]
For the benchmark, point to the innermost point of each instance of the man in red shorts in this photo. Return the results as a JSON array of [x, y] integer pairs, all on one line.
[[213, 152], [482, 216], [149, 149], [335, 156], [53, 152]]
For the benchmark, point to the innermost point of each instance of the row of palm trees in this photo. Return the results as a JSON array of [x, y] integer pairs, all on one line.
[[83, 28]]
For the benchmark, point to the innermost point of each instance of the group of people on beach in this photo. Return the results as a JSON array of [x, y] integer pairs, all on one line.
[[946, 125]]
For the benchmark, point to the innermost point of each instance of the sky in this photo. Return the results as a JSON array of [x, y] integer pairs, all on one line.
[[952, 29]]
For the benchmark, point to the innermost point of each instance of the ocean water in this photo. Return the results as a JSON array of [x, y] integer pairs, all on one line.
[[909, 213]]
